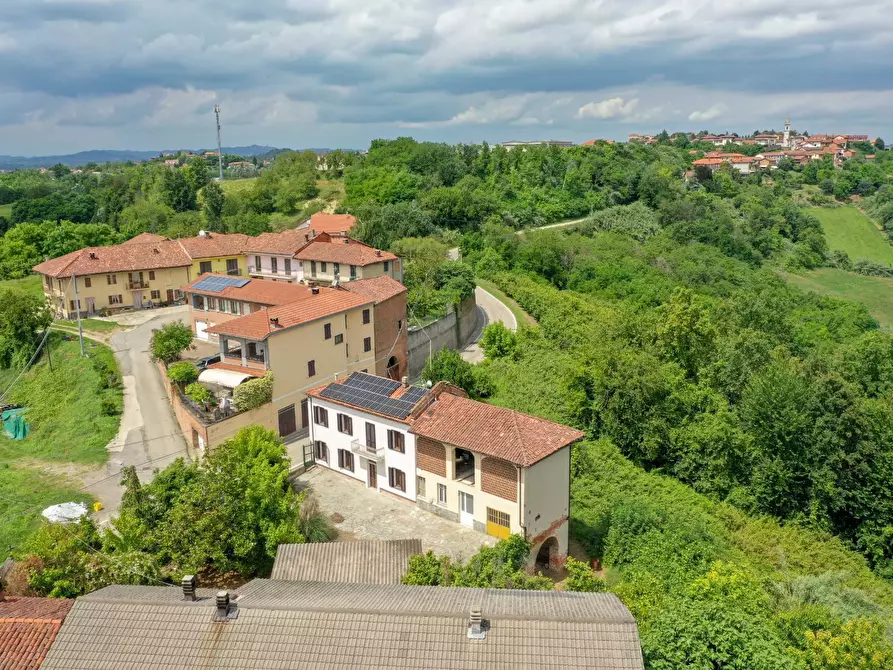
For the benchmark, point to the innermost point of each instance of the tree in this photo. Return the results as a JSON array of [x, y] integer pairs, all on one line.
[[196, 174], [198, 394], [177, 191], [22, 316], [497, 341], [253, 393], [183, 372], [170, 341], [879, 144], [214, 200], [447, 365]]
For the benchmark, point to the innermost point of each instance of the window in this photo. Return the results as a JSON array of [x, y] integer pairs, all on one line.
[[311, 368], [87, 283], [345, 460], [321, 451], [312, 268], [336, 268], [441, 494], [347, 350], [232, 266], [151, 275], [287, 263], [399, 325], [420, 487], [204, 266], [327, 331], [111, 279], [115, 300], [385, 266], [353, 271], [395, 441], [321, 416], [322, 267], [370, 435], [345, 424], [212, 303], [397, 479], [257, 263], [499, 518], [73, 308], [367, 317], [339, 338], [156, 295], [274, 265], [367, 344]]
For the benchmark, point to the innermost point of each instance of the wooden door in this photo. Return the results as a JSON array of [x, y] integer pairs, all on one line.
[[287, 422], [373, 475], [170, 295], [305, 413]]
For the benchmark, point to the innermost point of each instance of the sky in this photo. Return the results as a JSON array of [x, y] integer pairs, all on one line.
[[146, 74]]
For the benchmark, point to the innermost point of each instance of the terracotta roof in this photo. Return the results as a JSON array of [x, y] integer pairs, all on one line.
[[285, 243], [331, 223], [378, 289], [491, 430], [214, 245], [28, 627], [116, 258], [709, 161], [143, 238], [344, 250], [256, 290], [256, 326]]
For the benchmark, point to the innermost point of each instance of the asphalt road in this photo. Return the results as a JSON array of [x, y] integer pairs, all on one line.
[[149, 436], [490, 310]]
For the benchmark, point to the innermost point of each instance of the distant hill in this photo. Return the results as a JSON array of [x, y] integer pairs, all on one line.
[[122, 156]]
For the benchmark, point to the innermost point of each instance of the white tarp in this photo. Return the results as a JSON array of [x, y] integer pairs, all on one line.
[[65, 512], [226, 378]]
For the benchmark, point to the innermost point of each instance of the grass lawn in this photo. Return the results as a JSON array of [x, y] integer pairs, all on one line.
[[6, 211], [31, 284], [90, 325], [876, 293], [237, 185], [522, 316], [847, 229]]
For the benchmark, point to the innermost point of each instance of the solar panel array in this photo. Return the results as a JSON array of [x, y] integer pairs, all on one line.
[[218, 284], [373, 393]]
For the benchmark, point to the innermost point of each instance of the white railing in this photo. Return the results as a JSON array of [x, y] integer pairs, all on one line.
[[371, 453]]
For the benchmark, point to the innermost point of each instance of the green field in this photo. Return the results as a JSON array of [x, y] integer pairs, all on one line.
[[31, 284], [6, 211], [72, 420], [847, 229], [237, 185], [876, 293]]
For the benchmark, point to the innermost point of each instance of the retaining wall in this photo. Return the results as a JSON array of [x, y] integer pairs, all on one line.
[[452, 331]]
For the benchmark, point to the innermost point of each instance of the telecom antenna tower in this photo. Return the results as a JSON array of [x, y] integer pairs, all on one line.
[[219, 149]]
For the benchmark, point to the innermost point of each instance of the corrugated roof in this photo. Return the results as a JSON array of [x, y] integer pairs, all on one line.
[[259, 291], [344, 250], [116, 258], [28, 627], [326, 625], [379, 288], [494, 431], [361, 562]]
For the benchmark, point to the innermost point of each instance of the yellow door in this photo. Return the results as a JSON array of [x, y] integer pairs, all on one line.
[[498, 524]]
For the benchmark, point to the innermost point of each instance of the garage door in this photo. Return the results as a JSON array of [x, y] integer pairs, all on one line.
[[200, 328], [498, 524]]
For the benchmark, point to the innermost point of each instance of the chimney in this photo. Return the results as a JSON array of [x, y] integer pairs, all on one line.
[[274, 321], [204, 233], [477, 627], [346, 240], [225, 610], [92, 256], [405, 381], [189, 588], [315, 290], [306, 237], [378, 252]]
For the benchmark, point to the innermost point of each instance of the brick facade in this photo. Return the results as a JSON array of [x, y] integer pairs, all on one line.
[[431, 456], [499, 478]]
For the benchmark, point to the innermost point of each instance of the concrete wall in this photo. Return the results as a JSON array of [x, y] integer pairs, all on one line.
[[326, 275], [390, 335], [265, 269], [218, 265], [545, 492], [452, 331]]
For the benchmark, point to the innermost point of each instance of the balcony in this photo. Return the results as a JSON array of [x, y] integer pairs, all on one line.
[[257, 358], [372, 453], [234, 271], [235, 354], [137, 285]]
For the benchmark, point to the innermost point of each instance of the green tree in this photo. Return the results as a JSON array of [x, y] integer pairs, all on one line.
[[447, 365], [169, 342], [214, 200], [497, 341], [196, 174], [22, 317], [580, 577]]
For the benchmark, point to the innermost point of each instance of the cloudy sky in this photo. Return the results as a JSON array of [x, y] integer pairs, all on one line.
[[145, 74]]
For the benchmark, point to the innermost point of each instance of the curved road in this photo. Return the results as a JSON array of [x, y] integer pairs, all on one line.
[[490, 310]]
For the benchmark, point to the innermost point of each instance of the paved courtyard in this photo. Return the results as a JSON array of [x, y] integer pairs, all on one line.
[[369, 515]]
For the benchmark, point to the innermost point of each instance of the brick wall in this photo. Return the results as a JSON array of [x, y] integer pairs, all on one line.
[[499, 478], [431, 456]]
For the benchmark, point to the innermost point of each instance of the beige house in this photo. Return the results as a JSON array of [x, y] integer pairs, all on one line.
[[146, 271], [329, 258]]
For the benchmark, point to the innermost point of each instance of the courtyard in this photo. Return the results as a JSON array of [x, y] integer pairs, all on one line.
[[370, 515]]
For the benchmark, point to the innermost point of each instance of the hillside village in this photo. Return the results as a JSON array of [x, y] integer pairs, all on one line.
[[450, 406]]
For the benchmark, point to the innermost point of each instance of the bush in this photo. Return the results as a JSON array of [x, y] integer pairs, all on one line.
[[254, 393], [183, 372], [198, 394], [109, 407], [447, 365], [170, 341], [580, 577], [497, 341]]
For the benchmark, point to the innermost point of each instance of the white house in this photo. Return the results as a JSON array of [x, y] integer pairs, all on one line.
[[272, 255], [490, 468]]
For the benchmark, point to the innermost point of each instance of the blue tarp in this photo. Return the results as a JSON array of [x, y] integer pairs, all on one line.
[[14, 423]]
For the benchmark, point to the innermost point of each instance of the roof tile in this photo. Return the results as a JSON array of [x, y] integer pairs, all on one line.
[[28, 627], [214, 245], [379, 288], [342, 249], [261, 291], [116, 258]]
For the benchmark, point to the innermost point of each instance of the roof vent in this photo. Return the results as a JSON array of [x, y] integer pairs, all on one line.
[[155, 250], [92, 256], [274, 321], [204, 233], [189, 587], [346, 240], [225, 609], [404, 381], [477, 627], [378, 252], [314, 290]]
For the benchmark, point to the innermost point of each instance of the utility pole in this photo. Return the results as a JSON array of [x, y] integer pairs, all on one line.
[[219, 148], [77, 304]]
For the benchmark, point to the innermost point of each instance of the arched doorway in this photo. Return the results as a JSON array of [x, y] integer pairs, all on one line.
[[393, 369], [545, 557]]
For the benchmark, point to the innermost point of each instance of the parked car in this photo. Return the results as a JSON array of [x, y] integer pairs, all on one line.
[[202, 363]]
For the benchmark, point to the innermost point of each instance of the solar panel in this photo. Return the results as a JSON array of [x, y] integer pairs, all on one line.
[[414, 394], [372, 383], [218, 284], [360, 393]]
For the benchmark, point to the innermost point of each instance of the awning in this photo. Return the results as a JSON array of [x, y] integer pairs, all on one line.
[[227, 378]]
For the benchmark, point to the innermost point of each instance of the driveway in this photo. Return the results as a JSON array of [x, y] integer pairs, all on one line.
[[490, 310], [369, 515], [149, 436]]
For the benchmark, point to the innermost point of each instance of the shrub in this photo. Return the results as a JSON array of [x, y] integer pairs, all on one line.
[[183, 372], [198, 394], [109, 407], [497, 341], [580, 577], [254, 393], [170, 341]]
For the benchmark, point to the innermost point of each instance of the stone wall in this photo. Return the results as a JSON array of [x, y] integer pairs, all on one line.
[[452, 331]]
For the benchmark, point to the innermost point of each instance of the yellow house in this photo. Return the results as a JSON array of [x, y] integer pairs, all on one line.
[[216, 252], [146, 271]]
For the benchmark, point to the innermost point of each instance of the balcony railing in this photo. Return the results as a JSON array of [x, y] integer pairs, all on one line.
[[233, 353], [136, 285], [257, 358], [371, 453], [254, 270], [234, 271]]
